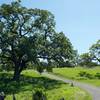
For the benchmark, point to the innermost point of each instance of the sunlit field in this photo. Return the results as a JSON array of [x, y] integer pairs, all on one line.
[[88, 75]]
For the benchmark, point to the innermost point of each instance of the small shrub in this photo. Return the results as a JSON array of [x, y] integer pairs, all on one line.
[[85, 74], [90, 76], [62, 99], [72, 85], [97, 75], [39, 95], [82, 73]]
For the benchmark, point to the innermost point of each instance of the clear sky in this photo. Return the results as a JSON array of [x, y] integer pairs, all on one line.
[[78, 19]]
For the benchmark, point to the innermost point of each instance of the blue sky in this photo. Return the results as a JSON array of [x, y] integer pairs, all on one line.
[[78, 19]]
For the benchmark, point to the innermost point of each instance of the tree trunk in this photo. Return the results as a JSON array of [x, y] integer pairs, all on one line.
[[19, 66], [17, 71], [16, 76]]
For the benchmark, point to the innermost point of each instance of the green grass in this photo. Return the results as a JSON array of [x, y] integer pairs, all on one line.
[[73, 73], [31, 81]]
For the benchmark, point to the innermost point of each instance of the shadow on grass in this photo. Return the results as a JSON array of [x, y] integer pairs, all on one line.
[[26, 83]]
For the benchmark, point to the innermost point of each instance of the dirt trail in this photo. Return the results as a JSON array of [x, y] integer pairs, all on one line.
[[94, 91]]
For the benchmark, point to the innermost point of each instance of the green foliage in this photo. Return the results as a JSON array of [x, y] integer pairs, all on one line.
[[86, 60], [39, 95], [63, 50], [82, 74], [95, 51], [97, 75], [85, 74]]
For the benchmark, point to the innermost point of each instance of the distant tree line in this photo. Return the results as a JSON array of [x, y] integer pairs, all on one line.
[[91, 58]]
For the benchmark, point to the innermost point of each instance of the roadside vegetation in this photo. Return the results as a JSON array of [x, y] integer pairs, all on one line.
[[88, 75]]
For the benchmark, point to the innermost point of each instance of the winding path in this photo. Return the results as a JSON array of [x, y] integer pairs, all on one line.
[[94, 91]]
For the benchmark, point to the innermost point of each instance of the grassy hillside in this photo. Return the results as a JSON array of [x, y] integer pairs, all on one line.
[[31, 81], [81, 74]]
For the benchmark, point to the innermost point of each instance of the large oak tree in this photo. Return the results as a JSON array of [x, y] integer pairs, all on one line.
[[28, 35]]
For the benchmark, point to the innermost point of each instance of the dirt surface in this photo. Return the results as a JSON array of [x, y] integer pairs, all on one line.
[[92, 90]]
